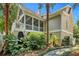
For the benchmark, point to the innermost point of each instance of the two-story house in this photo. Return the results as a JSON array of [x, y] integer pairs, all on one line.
[[60, 23]]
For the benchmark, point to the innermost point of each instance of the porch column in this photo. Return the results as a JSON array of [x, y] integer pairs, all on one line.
[[32, 23], [24, 22], [38, 25]]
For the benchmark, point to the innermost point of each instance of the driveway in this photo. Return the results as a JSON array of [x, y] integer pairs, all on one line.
[[58, 52]]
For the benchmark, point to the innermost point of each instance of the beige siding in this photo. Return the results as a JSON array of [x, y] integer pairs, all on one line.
[[63, 34], [67, 22], [55, 23]]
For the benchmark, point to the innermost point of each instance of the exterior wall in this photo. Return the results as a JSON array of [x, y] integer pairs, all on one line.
[[67, 18], [58, 34], [61, 25], [65, 34], [55, 23], [66, 24]]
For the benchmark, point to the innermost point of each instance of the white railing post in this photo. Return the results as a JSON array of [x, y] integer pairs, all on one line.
[[38, 25], [24, 22]]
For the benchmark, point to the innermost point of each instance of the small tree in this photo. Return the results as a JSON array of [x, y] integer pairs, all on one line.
[[76, 33], [78, 24]]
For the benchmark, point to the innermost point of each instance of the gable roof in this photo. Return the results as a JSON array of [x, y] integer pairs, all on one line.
[[26, 10], [58, 12]]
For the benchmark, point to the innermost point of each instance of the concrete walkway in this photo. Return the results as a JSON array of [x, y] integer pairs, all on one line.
[[58, 52]]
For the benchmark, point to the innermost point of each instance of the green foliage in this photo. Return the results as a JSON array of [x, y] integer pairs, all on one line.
[[78, 24], [1, 25], [76, 33], [36, 40], [12, 14], [13, 47], [11, 44], [54, 40], [33, 41], [1, 42]]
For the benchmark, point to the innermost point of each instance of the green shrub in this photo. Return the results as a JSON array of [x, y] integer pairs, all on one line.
[[33, 41], [11, 43], [13, 48], [36, 40]]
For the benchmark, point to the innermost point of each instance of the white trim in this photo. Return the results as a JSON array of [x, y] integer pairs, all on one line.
[[27, 30], [65, 13], [32, 23], [20, 17], [32, 31], [55, 31], [67, 31], [38, 25], [61, 31], [24, 22]]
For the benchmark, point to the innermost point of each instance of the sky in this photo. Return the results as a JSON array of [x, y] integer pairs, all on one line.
[[34, 8]]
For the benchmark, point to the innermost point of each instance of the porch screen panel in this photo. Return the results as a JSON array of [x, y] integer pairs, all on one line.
[[28, 22], [36, 24]]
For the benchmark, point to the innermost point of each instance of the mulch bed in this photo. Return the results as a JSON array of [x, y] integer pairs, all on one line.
[[33, 53], [75, 53]]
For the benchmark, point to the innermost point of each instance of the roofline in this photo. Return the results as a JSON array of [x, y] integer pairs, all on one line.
[[51, 15], [30, 12], [62, 9], [58, 11]]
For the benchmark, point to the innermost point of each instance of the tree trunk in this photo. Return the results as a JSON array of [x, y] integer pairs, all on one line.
[[47, 21], [6, 15]]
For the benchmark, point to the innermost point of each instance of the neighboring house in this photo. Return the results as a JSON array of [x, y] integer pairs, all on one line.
[[60, 23]]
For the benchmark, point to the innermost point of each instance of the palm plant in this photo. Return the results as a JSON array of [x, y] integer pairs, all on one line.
[[47, 5], [6, 15], [9, 17], [47, 9]]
